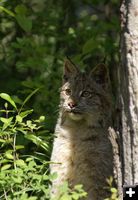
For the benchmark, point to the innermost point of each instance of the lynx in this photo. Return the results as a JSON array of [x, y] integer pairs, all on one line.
[[82, 153]]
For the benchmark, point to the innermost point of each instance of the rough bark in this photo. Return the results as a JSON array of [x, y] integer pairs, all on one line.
[[114, 138], [128, 91]]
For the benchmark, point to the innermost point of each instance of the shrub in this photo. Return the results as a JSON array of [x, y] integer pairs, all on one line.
[[24, 174]]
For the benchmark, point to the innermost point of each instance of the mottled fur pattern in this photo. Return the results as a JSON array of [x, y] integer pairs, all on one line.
[[82, 148]]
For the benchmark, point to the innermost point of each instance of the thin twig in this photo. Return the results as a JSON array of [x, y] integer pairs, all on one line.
[[5, 195]]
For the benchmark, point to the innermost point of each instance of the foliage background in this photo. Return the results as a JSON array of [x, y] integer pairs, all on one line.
[[35, 38], [34, 43]]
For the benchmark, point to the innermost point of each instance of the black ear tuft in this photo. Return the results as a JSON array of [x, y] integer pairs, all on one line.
[[65, 78], [69, 69], [100, 74]]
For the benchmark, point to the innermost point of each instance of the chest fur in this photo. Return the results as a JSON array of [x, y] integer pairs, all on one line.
[[80, 152]]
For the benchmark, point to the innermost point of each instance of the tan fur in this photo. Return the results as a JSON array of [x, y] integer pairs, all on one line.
[[81, 145]]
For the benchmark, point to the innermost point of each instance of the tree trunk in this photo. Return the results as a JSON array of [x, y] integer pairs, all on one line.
[[128, 92]]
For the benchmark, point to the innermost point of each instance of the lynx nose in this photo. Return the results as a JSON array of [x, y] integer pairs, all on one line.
[[71, 104]]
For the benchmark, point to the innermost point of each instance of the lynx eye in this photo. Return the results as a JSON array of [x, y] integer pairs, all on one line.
[[67, 91], [86, 94]]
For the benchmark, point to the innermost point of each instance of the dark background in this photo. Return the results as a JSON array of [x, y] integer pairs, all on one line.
[[34, 44], [35, 38]]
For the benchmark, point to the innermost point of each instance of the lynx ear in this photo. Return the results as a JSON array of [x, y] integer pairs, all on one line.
[[100, 75], [69, 69]]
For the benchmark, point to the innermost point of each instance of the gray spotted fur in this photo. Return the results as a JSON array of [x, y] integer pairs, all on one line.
[[82, 153]]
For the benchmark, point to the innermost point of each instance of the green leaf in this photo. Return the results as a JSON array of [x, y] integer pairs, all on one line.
[[66, 197], [17, 180], [45, 177], [4, 161], [109, 181], [38, 141], [5, 167], [7, 11], [26, 113], [23, 196], [6, 105], [75, 196], [90, 45], [41, 118], [113, 190], [19, 147], [19, 118], [33, 138], [29, 159], [32, 198], [24, 22], [2, 141], [114, 196], [28, 97], [9, 155], [31, 125], [20, 163], [78, 187], [8, 98], [6, 121], [31, 164], [21, 9]]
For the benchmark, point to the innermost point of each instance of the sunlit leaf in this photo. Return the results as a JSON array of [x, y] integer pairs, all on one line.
[[37, 140], [19, 147], [20, 163], [19, 118], [26, 113], [5, 167], [113, 190], [2, 141], [8, 98], [17, 179], [6, 122], [9, 155]]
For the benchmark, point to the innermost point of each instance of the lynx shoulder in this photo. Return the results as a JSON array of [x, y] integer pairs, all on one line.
[[82, 149]]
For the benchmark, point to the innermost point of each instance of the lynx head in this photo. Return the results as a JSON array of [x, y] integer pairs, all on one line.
[[84, 94]]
